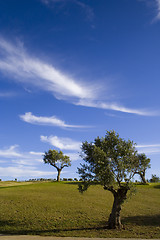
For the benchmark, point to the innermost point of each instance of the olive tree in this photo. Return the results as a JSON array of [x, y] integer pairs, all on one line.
[[112, 162], [57, 160], [154, 179], [144, 163]]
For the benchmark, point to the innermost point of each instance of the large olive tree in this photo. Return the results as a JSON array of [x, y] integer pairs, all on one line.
[[57, 160], [111, 161]]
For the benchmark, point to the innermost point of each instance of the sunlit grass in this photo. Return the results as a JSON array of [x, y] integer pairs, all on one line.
[[13, 183], [59, 209]]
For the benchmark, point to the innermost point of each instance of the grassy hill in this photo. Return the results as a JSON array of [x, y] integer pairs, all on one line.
[[58, 209]]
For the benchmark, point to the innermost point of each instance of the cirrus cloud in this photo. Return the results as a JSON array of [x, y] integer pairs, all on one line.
[[149, 148], [61, 142], [30, 172], [49, 121], [115, 107], [27, 69], [22, 67], [15, 163], [157, 10], [86, 8], [155, 4], [10, 152]]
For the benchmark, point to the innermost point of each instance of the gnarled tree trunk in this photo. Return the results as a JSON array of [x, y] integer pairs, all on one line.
[[119, 197], [142, 175], [58, 176]]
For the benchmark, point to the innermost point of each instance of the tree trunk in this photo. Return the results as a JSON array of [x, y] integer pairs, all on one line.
[[119, 198], [58, 176], [142, 175]]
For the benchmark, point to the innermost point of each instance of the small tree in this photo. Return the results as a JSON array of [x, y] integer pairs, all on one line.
[[154, 179], [144, 163], [57, 160], [112, 162]]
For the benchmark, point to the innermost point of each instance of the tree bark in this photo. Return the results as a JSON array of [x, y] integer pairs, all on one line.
[[119, 197], [58, 176], [142, 175]]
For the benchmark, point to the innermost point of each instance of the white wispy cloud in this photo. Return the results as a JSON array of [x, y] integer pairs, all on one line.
[[86, 8], [61, 143], [26, 158], [36, 153], [2, 161], [17, 63], [15, 163], [24, 165], [149, 148], [21, 171], [73, 156], [7, 94], [28, 161], [49, 121], [115, 107], [26, 69], [10, 152], [157, 2], [148, 145]]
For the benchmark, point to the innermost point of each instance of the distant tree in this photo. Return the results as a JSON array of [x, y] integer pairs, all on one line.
[[154, 179], [70, 179], [57, 160], [144, 163], [111, 161], [65, 179]]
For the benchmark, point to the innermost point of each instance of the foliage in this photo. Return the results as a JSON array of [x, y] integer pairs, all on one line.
[[144, 163], [57, 160], [70, 179], [154, 179], [112, 161], [65, 179]]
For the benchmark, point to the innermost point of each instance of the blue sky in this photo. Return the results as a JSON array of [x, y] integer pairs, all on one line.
[[69, 71]]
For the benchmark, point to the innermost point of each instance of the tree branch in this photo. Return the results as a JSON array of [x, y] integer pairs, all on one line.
[[111, 189], [54, 166], [64, 166]]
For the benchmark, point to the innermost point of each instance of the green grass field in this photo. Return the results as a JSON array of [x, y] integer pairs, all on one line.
[[58, 209]]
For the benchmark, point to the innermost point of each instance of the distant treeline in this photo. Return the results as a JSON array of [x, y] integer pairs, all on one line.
[[54, 180], [154, 179]]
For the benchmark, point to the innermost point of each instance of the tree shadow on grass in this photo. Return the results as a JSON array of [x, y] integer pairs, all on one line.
[[72, 183], [157, 186], [101, 226], [4, 223], [143, 220], [13, 229], [79, 183], [48, 231]]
